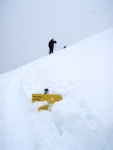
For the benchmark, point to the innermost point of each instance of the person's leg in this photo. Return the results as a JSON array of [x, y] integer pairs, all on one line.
[[51, 50]]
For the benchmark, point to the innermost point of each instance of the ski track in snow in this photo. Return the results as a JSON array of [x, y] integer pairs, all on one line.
[[59, 124], [16, 126]]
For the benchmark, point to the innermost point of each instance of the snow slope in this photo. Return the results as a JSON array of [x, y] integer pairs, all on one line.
[[83, 120]]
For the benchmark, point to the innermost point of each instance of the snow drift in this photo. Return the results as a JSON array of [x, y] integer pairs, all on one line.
[[83, 120]]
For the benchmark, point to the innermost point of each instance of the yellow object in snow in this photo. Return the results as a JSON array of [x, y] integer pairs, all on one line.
[[44, 107], [50, 98]]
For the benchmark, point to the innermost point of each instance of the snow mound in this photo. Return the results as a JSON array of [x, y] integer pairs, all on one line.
[[83, 120]]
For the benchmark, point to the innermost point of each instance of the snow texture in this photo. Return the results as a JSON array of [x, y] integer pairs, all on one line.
[[83, 120]]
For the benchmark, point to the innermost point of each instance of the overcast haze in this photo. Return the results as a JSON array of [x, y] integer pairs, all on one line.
[[26, 26]]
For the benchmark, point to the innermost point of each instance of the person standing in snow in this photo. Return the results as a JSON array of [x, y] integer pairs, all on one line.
[[51, 45]]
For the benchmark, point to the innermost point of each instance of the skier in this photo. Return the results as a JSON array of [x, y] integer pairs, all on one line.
[[51, 45]]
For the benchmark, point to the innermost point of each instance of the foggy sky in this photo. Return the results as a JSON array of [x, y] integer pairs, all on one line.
[[26, 26]]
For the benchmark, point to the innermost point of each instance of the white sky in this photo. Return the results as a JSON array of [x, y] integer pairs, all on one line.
[[27, 26]]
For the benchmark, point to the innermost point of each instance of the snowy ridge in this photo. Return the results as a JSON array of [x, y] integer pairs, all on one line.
[[83, 120]]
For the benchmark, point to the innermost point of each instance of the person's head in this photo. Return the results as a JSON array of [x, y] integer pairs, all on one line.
[[52, 39]]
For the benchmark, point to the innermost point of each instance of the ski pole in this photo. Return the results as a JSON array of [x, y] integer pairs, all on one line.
[[55, 47]]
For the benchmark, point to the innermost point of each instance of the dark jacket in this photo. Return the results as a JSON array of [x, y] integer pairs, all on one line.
[[51, 43]]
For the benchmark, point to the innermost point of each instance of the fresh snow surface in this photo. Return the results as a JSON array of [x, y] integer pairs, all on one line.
[[83, 120]]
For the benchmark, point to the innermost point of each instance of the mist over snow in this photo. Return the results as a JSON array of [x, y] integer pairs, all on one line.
[[26, 26], [83, 120]]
